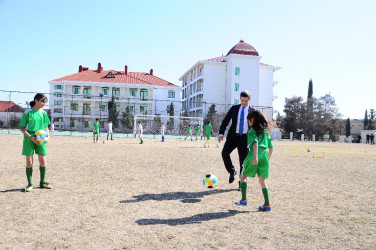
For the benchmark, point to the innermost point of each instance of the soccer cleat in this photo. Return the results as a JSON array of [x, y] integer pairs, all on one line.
[[241, 203], [29, 188], [45, 185], [264, 208], [232, 177]]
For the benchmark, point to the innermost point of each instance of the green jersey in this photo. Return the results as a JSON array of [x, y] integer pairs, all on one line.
[[34, 120], [197, 129], [208, 128], [264, 140], [96, 127]]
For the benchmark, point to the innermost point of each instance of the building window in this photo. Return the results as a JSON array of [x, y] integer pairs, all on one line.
[[143, 109], [237, 71], [131, 108], [59, 87], [143, 94], [58, 110], [86, 108], [74, 106], [105, 91], [76, 90], [116, 92], [58, 94], [236, 101], [236, 86], [58, 103], [117, 107], [85, 123], [87, 92], [103, 106], [133, 92], [110, 75], [72, 123], [171, 94]]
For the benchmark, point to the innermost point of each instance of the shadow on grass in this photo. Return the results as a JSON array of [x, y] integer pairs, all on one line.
[[195, 219], [185, 197], [13, 190]]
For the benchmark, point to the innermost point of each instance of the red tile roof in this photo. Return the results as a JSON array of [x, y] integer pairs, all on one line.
[[243, 48], [120, 77], [216, 59], [4, 107]]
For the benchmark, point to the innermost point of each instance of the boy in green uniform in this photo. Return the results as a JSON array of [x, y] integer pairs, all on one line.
[[197, 130], [208, 129], [257, 161], [96, 130], [35, 118], [189, 132]]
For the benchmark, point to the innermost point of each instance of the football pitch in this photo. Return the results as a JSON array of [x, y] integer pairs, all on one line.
[[123, 195]]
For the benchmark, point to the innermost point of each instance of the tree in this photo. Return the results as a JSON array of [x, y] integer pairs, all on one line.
[[14, 121], [156, 129], [308, 128], [113, 113], [371, 119], [310, 89], [348, 127], [294, 111], [365, 119], [212, 116], [127, 119], [171, 121]]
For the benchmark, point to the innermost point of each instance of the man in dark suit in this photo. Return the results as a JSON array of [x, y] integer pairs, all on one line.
[[237, 134]]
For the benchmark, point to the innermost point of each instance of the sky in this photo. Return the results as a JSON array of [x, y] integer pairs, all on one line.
[[332, 42]]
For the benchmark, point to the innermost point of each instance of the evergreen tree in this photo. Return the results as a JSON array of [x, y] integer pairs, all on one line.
[[310, 89], [371, 120], [127, 119], [171, 121], [366, 120], [112, 113], [212, 116], [348, 127]]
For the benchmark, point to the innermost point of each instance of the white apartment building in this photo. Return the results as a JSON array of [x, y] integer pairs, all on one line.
[[220, 80], [77, 100]]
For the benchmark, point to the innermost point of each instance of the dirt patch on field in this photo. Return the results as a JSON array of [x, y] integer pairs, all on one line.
[[123, 195]]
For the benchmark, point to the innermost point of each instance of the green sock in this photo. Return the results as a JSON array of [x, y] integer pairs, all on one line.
[[265, 192], [42, 173], [243, 188], [141, 140], [29, 175]]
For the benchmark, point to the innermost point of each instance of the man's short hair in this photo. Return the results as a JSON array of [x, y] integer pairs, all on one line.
[[245, 93]]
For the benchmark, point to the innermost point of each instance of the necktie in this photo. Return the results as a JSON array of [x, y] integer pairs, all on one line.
[[241, 124]]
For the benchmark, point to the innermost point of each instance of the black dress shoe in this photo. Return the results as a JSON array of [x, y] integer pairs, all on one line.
[[232, 177]]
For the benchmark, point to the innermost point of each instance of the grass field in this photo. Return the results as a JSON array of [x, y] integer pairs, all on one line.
[[123, 195]]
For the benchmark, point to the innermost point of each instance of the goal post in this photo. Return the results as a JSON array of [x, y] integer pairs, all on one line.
[[174, 125]]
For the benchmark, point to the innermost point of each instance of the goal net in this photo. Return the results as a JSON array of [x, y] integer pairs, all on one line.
[[174, 125]]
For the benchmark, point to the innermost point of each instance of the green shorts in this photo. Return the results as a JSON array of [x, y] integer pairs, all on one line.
[[262, 168], [95, 133], [208, 137], [29, 147]]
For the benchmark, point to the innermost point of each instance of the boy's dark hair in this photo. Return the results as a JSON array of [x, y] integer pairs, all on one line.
[[260, 122], [208, 122], [97, 119], [139, 122], [110, 120], [245, 93], [39, 97]]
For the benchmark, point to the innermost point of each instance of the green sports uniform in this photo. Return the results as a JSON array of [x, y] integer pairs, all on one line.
[[264, 142], [34, 120], [189, 130], [96, 128], [197, 130], [208, 128]]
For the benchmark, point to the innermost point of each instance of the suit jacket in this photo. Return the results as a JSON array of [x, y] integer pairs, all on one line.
[[232, 115]]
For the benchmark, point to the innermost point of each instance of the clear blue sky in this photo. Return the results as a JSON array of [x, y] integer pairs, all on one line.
[[333, 42]]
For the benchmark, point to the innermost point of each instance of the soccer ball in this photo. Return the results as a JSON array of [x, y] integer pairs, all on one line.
[[42, 136], [309, 150], [210, 180]]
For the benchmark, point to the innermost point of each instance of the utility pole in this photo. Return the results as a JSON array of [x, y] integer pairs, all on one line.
[[100, 112]]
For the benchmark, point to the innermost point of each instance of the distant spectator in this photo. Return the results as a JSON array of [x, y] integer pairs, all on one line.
[[367, 138], [372, 137]]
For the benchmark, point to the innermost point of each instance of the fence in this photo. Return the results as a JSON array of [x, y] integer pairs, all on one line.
[[78, 112]]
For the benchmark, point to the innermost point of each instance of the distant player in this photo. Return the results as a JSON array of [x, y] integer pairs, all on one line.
[[197, 130], [109, 129], [162, 131], [208, 130], [52, 130], [96, 131], [189, 132], [34, 119], [139, 131]]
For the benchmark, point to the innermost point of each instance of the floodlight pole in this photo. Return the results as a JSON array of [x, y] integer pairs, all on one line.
[[100, 113]]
